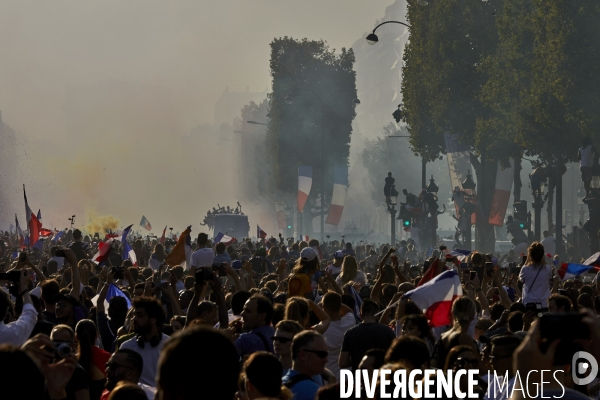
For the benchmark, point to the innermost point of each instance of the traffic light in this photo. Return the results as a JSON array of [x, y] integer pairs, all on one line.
[[406, 223], [397, 114], [289, 227], [522, 225], [520, 210]]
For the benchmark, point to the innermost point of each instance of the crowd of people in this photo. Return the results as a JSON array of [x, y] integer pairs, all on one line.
[[276, 319]]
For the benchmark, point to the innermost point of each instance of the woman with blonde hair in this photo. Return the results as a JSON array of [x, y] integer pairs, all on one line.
[[463, 313], [350, 272], [297, 309], [535, 276]]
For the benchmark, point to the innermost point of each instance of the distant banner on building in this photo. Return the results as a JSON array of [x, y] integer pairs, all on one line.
[[304, 185], [340, 187], [504, 183], [280, 211]]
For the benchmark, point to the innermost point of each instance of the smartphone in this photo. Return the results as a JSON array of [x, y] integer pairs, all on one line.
[[567, 327], [60, 253], [14, 276], [473, 275], [220, 269], [489, 268], [203, 274]]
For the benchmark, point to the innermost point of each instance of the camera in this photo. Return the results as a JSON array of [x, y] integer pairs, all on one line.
[[118, 272], [15, 278], [204, 274], [220, 269], [61, 349]]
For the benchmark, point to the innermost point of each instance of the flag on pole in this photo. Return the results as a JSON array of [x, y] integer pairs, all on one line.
[[304, 185], [260, 234], [459, 254], [162, 238], [33, 224], [570, 270], [435, 297], [19, 233], [145, 223], [39, 215], [182, 252], [127, 250], [340, 187], [504, 183], [104, 249], [46, 232]]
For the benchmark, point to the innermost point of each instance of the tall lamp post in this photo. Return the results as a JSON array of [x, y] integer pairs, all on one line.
[[433, 189], [538, 204], [468, 186], [288, 100], [393, 203]]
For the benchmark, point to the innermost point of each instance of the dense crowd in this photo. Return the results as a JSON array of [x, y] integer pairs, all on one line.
[[278, 319]]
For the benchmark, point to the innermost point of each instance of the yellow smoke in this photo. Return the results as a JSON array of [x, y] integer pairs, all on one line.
[[101, 223]]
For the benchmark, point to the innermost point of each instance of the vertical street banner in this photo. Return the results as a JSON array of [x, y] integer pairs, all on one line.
[[502, 190], [340, 187], [280, 211], [304, 185]]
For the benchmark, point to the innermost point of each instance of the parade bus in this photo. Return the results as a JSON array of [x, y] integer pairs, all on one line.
[[234, 225]]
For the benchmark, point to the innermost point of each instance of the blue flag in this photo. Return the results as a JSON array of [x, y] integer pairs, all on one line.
[[115, 291]]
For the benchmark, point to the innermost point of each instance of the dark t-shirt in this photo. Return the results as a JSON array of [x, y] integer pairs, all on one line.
[[50, 317], [80, 249], [108, 331], [80, 380], [366, 336]]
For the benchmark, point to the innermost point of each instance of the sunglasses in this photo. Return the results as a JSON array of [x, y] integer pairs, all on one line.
[[280, 339], [319, 353]]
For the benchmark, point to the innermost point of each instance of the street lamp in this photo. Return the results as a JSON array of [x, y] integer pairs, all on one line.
[[372, 37], [580, 195], [433, 189], [468, 208], [289, 100], [538, 204], [393, 202]]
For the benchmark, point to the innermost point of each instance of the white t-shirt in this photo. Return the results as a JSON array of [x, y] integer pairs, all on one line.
[[333, 269], [540, 291], [549, 244], [360, 277], [334, 336], [149, 355], [203, 257]]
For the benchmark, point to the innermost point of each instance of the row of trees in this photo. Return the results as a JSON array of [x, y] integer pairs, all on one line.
[[510, 77]]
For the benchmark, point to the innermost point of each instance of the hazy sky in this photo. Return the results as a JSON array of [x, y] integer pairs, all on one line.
[[189, 50], [193, 47]]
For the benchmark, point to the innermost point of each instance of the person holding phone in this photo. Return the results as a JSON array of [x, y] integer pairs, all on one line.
[[535, 276]]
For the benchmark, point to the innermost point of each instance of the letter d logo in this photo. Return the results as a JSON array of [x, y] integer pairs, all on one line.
[[580, 367]]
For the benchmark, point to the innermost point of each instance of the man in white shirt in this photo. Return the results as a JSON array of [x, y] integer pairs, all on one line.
[[17, 332], [204, 256], [342, 319], [549, 243], [148, 315]]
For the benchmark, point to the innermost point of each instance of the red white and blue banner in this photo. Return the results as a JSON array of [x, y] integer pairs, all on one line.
[[104, 249], [145, 223], [504, 183], [436, 296], [340, 187], [304, 185]]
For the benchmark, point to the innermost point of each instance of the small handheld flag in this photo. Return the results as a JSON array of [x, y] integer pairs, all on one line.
[[260, 233]]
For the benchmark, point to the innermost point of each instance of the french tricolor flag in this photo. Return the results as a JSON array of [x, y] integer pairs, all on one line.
[[226, 240], [460, 254], [128, 252], [340, 187], [304, 185], [504, 183], [569, 270], [435, 297], [104, 249], [162, 238], [33, 224]]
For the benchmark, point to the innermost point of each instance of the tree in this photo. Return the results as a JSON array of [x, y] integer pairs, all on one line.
[[298, 132], [441, 87]]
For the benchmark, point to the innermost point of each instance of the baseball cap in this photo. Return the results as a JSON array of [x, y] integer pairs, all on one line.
[[308, 254], [339, 254]]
